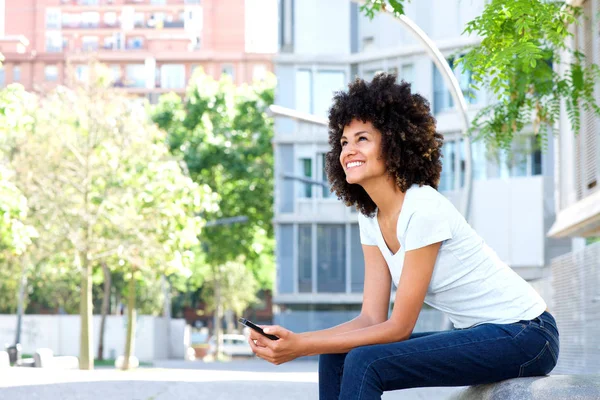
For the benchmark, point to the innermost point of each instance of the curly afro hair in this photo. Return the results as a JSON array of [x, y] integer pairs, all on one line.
[[410, 144]]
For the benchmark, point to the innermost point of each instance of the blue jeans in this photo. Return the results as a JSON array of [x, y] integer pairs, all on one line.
[[482, 354]]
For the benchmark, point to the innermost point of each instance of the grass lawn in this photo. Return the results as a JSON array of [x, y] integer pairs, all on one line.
[[111, 363]]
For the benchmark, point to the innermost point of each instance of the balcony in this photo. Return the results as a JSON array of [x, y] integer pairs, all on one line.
[[91, 25], [173, 24]]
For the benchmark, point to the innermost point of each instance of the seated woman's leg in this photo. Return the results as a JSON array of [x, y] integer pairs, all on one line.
[[483, 354], [331, 367]]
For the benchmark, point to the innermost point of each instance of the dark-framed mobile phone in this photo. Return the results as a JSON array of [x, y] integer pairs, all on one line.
[[258, 329]]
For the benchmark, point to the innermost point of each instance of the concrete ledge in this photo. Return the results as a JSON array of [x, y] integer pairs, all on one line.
[[555, 387]]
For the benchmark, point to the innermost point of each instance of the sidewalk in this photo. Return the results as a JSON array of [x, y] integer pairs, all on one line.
[[247, 379]]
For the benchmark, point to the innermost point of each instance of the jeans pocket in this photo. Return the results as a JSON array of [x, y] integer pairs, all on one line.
[[542, 364]]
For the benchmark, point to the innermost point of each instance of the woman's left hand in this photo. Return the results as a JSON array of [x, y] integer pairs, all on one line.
[[287, 348]]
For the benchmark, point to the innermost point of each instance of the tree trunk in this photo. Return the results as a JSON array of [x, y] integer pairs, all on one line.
[[86, 357], [167, 311], [218, 333], [20, 304], [229, 321], [105, 307], [129, 340]]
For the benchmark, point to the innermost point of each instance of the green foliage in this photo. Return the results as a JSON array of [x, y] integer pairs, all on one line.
[[371, 7], [101, 184], [238, 287], [224, 136], [15, 234], [522, 43]]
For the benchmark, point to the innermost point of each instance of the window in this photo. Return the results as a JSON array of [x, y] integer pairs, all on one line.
[[156, 20], [259, 72], [110, 18], [369, 74], [326, 84], [408, 73], [196, 43], [479, 158], [465, 80], [89, 43], [286, 26], [304, 91], [523, 159], [90, 19], [17, 73], [228, 70], [285, 260], [71, 20], [305, 258], [193, 20], [323, 177], [138, 20], [368, 43], [442, 99], [172, 76], [306, 168], [82, 73], [116, 74], [51, 73], [53, 20], [135, 43], [2, 76], [261, 26], [54, 42], [135, 75], [357, 261], [331, 258], [448, 166], [109, 43]]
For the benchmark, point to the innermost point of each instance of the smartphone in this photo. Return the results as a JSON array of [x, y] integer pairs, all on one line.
[[258, 329]]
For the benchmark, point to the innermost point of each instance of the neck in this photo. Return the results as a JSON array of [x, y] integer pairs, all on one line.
[[386, 195]]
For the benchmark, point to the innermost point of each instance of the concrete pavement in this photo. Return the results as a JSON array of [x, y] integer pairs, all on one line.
[[240, 379]]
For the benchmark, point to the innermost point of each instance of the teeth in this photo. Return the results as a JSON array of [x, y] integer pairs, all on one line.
[[354, 164]]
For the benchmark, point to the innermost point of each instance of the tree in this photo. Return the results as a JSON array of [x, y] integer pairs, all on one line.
[[15, 237], [521, 42], [224, 135], [93, 168]]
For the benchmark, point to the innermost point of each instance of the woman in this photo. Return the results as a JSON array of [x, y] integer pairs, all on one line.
[[385, 161]]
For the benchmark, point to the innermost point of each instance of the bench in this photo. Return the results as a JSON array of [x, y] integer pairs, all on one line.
[[555, 387], [44, 358]]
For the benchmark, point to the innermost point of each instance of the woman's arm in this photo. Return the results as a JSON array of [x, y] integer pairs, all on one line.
[[412, 288], [357, 323], [376, 299]]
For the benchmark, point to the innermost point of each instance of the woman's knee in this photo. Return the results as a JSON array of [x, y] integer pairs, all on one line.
[[331, 361], [359, 358]]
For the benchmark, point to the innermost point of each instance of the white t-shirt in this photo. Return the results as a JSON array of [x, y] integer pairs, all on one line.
[[469, 283]]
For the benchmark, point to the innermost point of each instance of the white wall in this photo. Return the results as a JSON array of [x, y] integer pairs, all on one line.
[[61, 334], [509, 215], [322, 27]]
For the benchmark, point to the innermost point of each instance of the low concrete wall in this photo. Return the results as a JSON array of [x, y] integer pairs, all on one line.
[[61, 334], [559, 387]]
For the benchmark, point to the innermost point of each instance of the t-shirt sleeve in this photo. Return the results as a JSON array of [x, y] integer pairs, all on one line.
[[426, 227], [367, 235]]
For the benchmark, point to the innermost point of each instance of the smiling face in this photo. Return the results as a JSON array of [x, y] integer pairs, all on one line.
[[361, 152]]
